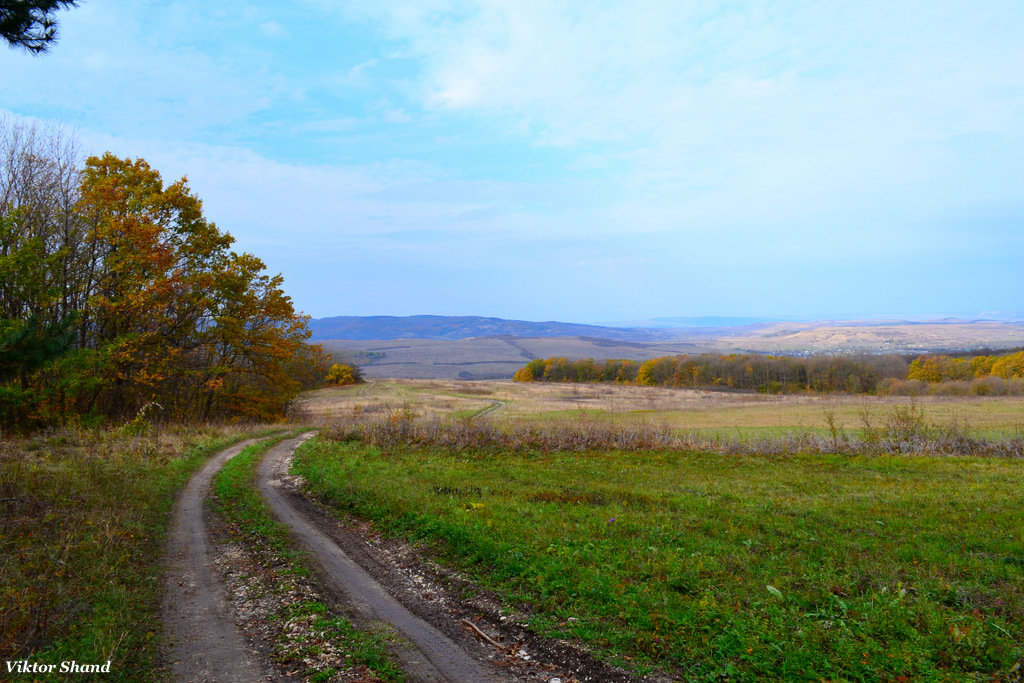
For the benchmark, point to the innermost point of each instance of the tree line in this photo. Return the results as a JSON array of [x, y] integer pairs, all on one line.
[[769, 374], [117, 295], [941, 367], [866, 374]]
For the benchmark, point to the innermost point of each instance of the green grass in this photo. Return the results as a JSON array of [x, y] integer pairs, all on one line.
[[711, 566], [239, 503], [84, 516]]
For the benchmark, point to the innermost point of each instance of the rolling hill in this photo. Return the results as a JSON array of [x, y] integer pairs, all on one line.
[[472, 347], [465, 327]]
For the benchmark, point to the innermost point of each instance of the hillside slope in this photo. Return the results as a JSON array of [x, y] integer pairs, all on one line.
[[465, 327]]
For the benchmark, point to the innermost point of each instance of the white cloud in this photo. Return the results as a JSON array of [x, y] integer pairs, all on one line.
[[770, 93], [273, 29]]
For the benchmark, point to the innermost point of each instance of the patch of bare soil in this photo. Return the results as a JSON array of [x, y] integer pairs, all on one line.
[[473, 618]]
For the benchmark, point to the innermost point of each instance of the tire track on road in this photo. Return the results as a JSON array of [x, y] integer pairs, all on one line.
[[432, 656], [200, 637]]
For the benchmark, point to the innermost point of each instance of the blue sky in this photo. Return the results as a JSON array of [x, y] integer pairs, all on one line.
[[583, 161]]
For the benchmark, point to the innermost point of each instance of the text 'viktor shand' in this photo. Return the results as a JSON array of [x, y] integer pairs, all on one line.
[[24, 666]]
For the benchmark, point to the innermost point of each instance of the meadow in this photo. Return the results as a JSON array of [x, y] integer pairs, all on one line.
[[738, 414], [696, 563]]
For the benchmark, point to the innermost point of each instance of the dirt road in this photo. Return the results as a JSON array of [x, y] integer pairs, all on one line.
[[429, 655], [199, 628], [202, 642]]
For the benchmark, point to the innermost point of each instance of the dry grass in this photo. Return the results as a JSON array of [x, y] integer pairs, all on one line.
[[679, 409], [903, 430]]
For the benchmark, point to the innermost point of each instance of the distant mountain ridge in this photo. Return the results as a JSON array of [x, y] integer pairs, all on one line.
[[465, 327], [475, 347], [456, 328]]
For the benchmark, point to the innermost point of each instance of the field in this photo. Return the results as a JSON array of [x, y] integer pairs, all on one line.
[[727, 413], [697, 564], [875, 337]]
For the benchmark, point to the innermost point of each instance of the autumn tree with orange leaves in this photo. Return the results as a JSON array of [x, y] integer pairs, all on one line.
[[163, 311]]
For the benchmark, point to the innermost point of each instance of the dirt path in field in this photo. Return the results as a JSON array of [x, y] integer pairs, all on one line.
[[202, 642], [428, 654], [495, 405]]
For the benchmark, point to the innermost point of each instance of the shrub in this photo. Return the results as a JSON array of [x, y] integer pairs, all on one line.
[[951, 388], [987, 386], [342, 375], [902, 387], [523, 374]]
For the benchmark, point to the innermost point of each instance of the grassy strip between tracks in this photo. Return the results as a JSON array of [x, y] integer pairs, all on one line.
[[721, 567], [308, 637], [84, 516]]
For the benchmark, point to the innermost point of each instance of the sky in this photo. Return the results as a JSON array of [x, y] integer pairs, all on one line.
[[591, 161]]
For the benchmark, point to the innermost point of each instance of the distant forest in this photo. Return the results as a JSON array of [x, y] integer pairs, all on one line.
[[990, 374]]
